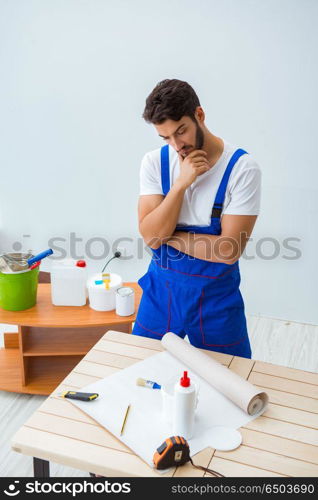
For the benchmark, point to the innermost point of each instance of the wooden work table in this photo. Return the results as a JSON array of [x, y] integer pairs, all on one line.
[[283, 441], [51, 340]]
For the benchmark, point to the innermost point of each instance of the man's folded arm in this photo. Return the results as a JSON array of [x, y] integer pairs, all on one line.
[[158, 215], [224, 248]]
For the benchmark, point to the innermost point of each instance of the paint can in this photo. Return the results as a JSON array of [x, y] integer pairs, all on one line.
[[100, 297], [125, 301]]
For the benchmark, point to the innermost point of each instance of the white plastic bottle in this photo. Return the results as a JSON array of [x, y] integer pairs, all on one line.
[[68, 283], [184, 407]]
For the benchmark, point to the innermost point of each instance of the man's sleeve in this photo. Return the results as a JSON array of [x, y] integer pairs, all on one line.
[[150, 177], [245, 191]]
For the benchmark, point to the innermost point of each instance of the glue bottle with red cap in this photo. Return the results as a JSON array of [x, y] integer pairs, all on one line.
[[184, 403]]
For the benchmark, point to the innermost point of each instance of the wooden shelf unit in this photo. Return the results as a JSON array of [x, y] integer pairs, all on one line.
[[60, 341], [44, 372]]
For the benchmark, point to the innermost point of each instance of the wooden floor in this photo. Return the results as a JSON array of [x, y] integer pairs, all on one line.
[[275, 341]]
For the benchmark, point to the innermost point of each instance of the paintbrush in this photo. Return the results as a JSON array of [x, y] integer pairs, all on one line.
[[147, 383]]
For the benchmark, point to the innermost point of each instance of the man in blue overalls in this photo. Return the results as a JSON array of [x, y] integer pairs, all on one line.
[[198, 204]]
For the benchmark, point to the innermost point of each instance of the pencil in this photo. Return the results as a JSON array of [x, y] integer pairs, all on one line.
[[124, 422]]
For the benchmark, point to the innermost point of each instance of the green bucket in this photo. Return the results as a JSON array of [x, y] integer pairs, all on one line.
[[18, 290]]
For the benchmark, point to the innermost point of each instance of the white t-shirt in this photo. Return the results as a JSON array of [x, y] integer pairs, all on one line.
[[242, 196]]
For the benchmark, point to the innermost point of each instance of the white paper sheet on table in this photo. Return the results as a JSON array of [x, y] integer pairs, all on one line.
[[145, 428]]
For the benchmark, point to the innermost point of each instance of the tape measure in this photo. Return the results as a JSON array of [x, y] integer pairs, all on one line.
[[175, 451]]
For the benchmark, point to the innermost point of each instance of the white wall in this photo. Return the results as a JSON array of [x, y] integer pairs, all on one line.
[[74, 78]]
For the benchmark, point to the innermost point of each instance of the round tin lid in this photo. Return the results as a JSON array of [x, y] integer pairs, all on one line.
[[125, 290]]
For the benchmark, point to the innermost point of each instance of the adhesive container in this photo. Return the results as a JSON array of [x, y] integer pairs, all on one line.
[[102, 298], [125, 301], [68, 283], [167, 397], [184, 405]]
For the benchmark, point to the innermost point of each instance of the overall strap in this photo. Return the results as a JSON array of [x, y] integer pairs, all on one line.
[[165, 174], [220, 195]]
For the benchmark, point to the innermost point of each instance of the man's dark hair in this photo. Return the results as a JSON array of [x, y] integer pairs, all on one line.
[[170, 100]]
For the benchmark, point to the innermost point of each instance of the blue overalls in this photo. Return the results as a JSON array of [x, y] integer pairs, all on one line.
[[194, 297]]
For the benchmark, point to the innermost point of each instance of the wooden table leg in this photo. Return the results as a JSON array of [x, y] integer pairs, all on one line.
[[22, 331], [11, 340], [41, 468]]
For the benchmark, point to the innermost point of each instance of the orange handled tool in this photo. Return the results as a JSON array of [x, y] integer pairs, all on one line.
[[175, 451]]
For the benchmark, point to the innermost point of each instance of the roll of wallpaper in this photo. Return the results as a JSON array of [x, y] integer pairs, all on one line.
[[244, 394]]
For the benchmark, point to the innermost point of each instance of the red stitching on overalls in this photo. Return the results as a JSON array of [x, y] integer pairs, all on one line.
[[169, 316], [200, 309], [203, 334], [195, 275], [169, 307], [142, 326]]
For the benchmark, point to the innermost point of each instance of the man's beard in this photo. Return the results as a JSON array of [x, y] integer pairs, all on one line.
[[199, 141], [199, 138]]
